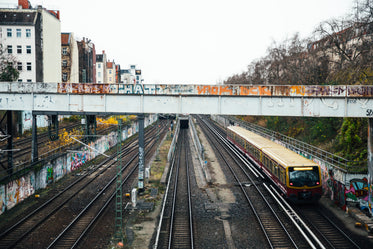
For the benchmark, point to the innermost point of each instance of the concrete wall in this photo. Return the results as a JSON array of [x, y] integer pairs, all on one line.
[[17, 190]]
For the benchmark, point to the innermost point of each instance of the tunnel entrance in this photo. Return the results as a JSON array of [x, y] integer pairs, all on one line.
[[184, 122]]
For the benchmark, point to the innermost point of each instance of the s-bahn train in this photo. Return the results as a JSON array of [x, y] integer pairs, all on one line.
[[297, 177]]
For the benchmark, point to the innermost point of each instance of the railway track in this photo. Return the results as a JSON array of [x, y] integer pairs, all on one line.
[[328, 231], [176, 223], [313, 226], [275, 230], [22, 148], [69, 202]]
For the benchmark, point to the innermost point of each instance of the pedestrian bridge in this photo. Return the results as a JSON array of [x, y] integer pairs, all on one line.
[[263, 100]]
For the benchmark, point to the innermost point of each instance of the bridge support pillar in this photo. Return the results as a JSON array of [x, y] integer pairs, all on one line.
[[53, 127], [34, 145], [370, 161], [140, 118], [10, 141]]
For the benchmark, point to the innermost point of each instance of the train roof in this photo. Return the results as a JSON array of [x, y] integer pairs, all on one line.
[[276, 151]]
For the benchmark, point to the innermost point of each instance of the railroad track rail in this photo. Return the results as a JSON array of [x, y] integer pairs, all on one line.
[[316, 229], [22, 148], [25, 227], [176, 224], [329, 232], [273, 228]]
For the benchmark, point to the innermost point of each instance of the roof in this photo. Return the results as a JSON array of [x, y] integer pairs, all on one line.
[[65, 38], [109, 64], [277, 152], [17, 17]]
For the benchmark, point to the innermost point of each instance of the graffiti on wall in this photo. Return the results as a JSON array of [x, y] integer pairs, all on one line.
[[18, 190], [358, 193], [2, 199], [232, 90], [77, 160], [59, 169]]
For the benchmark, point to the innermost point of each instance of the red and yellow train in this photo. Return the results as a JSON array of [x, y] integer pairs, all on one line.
[[296, 176]]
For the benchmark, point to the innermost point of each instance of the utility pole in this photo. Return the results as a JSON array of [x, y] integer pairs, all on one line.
[[34, 145], [141, 152], [118, 197]]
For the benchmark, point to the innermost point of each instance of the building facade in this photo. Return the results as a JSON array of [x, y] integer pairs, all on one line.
[[131, 76], [87, 61], [117, 73], [70, 58], [32, 38], [101, 68], [110, 72]]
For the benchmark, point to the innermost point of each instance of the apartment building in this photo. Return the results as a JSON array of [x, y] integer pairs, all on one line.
[[87, 61], [70, 58], [101, 68], [110, 72], [32, 38]]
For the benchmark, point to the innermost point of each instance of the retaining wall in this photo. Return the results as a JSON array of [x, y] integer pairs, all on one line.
[[18, 190]]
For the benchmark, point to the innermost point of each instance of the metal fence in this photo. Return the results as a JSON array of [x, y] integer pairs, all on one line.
[[341, 163]]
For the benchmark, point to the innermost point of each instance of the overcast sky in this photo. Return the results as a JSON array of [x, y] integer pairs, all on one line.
[[191, 41]]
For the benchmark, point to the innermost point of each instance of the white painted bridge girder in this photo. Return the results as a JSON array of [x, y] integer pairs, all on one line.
[[308, 101]]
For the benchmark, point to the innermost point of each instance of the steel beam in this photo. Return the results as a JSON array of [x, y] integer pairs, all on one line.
[[10, 134], [34, 145]]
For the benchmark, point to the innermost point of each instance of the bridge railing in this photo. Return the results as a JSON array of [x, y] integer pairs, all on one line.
[[305, 149]]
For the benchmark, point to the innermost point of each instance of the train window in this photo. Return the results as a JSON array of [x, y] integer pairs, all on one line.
[[277, 171], [300, 176], [265, 161], [282, 175]]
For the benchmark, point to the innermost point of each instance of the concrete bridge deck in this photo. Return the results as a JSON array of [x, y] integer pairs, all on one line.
[[264, 100]]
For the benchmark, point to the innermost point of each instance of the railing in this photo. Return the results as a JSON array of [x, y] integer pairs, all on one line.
[[303, 148]]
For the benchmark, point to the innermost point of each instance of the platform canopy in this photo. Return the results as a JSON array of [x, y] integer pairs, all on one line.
[[263, 100]]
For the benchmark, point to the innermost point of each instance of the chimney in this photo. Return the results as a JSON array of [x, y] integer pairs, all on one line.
[[23, 3]]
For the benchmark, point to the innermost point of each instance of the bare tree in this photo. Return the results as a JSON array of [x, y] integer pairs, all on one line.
[[8, 70]]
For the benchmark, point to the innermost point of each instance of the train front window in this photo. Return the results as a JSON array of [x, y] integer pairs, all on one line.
[[304, 176]]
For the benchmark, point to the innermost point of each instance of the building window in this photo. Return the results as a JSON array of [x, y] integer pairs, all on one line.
[[64, 51], [64, 63], [18, 32], [110, 72], [19, 66], [19, 80], [28, 49], [10, 49], [99, 65], [99, 74], [64, 76], [29, 80], [28, 32], [28, 66], [9, 32], [110, 79], [19, 49]]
